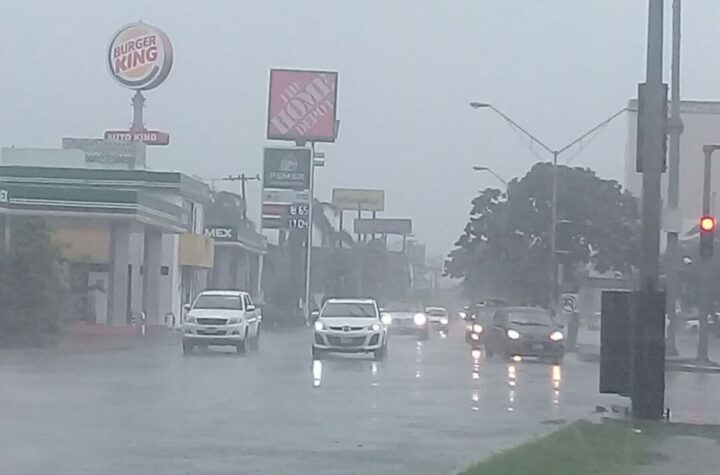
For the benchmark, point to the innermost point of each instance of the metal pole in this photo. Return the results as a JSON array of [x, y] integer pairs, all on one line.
[[310, 233], [675, 130], [652, 128], [648, 354], [705, 297], [138, 102], [553, 236], [244, 213]]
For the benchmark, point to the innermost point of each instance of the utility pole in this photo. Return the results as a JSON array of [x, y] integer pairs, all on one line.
[[648, 361], [673, 221], [242, 178]]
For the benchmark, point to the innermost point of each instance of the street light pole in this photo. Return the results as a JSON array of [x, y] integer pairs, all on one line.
[[478, 168], [555, 154], [674, 222]]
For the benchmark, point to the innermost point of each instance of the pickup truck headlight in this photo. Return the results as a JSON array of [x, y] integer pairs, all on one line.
[[235, 321], [319, 326]]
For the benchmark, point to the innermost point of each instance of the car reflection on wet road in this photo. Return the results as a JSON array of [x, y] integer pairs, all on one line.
[[151, 410]]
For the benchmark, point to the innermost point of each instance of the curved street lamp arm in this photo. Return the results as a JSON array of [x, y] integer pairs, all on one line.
[[591, 131]]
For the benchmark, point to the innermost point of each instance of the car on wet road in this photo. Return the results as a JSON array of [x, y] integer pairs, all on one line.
[[439, 318], [524, 331], [407, 318], [222, 318], [478, 320], [350, 326]]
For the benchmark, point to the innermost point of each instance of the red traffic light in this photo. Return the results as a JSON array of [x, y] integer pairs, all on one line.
[[707, 224]]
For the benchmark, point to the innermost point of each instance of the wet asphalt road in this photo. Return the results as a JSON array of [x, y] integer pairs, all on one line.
[[432, 408]]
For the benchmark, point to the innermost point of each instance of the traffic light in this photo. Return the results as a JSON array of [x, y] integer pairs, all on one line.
[[707, 235]]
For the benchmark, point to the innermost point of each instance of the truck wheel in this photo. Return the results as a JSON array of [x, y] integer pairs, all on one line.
[[255, 342], [241, 347]]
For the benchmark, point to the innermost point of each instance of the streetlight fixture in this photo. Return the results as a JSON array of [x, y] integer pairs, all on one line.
[[478, 168], [555, 154]]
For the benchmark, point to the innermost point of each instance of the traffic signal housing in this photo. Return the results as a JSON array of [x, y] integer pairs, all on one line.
[[707, 227]]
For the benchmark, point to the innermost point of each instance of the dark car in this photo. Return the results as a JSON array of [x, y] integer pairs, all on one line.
[[524, 331], [479, 318], [407, 318]]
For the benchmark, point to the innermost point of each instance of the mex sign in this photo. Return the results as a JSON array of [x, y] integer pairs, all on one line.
[[302, 105]]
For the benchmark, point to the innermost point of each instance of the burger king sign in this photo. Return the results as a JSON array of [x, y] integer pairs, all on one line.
[[140, 56]]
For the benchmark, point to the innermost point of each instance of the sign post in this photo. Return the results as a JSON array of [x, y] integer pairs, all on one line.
[[140, 57]]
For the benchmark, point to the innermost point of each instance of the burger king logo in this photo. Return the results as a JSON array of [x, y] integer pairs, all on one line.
[[140, 56]]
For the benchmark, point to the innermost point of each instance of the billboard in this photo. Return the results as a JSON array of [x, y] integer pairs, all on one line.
[[108, 152], [383, 226], [302, 105], [140, 56], [287, 168], [357, 199]]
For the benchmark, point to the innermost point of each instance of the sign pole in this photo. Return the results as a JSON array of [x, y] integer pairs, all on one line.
[[309, 234], [138, 103]]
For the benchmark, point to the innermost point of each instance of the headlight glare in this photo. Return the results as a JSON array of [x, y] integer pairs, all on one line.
[[443, 321], [477, 328], [420, 319], [557, 336], [513, 334], [319, 326], [386, 318]]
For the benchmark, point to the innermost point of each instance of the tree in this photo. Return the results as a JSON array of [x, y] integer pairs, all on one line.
[[505, 248], [32, 289]]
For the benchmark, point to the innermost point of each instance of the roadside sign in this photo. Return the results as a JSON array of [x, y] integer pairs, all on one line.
[[299, 209], [297, 222], [358, 199], [568, 302], [383, 226], [287, 168], [148, 137]]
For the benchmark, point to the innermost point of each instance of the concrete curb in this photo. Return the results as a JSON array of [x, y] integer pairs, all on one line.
[[590, 357]]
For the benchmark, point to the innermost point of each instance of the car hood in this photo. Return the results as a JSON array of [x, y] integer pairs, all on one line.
[[348, 321], [436, 318], [215, 313], [401, 315], [533, 330]]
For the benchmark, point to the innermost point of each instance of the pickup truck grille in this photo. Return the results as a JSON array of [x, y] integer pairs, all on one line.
[[212, 321]]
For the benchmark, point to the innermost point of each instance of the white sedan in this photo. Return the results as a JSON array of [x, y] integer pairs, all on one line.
[[350, 326]]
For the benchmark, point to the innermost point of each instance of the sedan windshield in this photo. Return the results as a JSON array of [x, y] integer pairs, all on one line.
[[221, 302], [531, 318], [348, 309]]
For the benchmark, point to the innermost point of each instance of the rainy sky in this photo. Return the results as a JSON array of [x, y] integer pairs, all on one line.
[[407, 70]]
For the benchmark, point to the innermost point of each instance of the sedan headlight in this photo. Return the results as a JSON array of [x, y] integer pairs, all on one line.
[[319, 326], [375, 327], [386, 318], [513, 334], [557, 336], [477, 328], [443, 321], [463, 315], [420, 319]]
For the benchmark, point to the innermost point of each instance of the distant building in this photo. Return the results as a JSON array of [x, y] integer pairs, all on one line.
[[701, 121]]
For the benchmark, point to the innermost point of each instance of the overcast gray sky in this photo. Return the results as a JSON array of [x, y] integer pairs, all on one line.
[[407, 71]]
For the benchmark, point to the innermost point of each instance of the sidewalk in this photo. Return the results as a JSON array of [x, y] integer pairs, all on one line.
[[80, 338], [588, 350]]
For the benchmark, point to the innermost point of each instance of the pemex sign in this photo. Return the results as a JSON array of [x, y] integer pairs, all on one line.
[[302, 105]]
